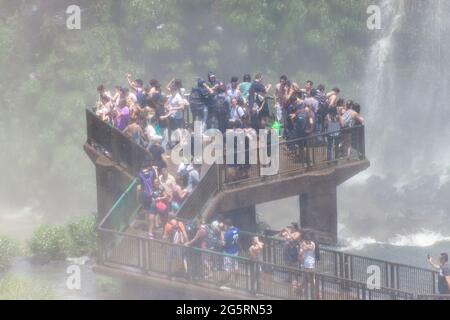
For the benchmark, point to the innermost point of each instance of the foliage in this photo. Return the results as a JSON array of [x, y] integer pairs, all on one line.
[[83, 237], [9, 249], [49, 243], [49, 73], [75, 239], [15, 288]]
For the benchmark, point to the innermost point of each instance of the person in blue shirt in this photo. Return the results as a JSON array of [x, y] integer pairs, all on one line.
[[231, 249]]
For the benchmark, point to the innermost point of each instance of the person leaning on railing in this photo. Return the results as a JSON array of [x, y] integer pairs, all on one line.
[[444, 273]]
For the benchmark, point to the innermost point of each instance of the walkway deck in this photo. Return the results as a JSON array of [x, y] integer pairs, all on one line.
[[337, 275]]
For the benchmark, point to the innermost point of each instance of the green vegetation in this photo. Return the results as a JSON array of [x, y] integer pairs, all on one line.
[[18, 288], [82, 237], [49, 73], [9, 248], [50, 242]]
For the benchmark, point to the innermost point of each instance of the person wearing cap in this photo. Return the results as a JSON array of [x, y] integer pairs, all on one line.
[[444, 273], [212, 81]]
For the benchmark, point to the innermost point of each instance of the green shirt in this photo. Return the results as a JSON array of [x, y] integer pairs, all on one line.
[[244, 88]]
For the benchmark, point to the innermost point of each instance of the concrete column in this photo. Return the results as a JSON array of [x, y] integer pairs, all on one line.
[[318, 211], [112, 181], [244, 218]]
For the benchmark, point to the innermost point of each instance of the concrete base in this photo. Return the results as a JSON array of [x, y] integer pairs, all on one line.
[[112, 181]]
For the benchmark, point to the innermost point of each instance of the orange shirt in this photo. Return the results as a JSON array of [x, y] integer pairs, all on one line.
[[168, 228]]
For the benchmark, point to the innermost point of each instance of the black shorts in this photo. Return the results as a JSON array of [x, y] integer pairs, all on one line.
[[176, 124], [146, 202]]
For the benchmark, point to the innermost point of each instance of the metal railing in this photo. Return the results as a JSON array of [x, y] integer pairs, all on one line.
[[300, 154], [304, 154], [213, 270], [355, 267], [331, 263], [433, 297], [119, 218], [208, 186]]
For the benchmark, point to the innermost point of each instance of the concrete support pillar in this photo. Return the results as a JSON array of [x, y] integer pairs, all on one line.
[[112, 181], [244, 218], [318, 210], [105, 193]]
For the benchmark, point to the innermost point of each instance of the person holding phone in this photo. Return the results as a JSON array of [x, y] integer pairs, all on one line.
[[444, 273]]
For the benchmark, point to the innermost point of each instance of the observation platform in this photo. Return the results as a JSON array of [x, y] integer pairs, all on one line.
[[308, 169]]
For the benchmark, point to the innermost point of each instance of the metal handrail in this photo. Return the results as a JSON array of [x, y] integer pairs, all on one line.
[[348, 284]]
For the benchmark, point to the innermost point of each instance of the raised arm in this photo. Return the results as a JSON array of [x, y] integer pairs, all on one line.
[[196, 237], [210, 90], [169, 85], [433, 265], [131, 82]]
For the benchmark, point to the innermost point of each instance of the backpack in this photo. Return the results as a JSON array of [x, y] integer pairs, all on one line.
[[212, 241], [184, 176], [146, 177], [196, 101], [222, 106], [301, 124], [191, 229]]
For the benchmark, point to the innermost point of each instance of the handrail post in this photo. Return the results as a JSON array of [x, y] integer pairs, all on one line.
[[253, 277], [219, 176], [101, 254], [341, 265], [363, 142]]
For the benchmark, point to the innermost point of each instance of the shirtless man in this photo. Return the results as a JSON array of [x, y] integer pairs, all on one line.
[[256, 249], [280, 98], [134, 131]]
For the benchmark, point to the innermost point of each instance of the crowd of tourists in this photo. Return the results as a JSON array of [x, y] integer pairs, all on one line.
[[148, 114], [222, 237]]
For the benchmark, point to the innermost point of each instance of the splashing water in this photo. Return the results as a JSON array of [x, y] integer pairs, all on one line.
[[405, 89]]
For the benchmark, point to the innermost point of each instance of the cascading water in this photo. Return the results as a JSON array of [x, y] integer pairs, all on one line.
[[407, 102], [407, 93], [379, 78]]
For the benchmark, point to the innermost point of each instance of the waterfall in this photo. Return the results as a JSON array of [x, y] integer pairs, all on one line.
[[407, 104], [407, 88]]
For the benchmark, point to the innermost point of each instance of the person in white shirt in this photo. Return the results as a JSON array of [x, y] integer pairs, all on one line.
[[150, 131], [175, 105], [236, 112]]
